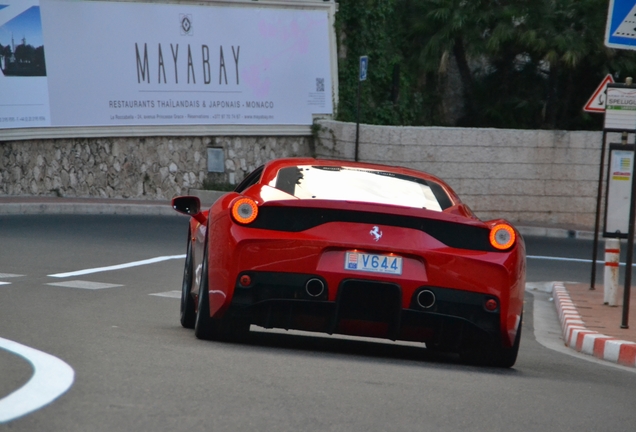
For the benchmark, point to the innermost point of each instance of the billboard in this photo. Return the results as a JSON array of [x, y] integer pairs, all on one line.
[[114, 64], [24, 100]]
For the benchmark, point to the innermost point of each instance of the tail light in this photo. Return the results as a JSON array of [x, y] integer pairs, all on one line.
[[502, 236], [244, 210]]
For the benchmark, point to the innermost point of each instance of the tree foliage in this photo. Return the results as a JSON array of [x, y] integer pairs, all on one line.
[[373, 28], [520, 63]]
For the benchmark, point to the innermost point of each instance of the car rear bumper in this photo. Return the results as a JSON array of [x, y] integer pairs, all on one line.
[[443, 318]]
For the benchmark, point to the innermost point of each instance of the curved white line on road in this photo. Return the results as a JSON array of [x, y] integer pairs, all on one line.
[[582, 260], [51, 378], [118, 266]]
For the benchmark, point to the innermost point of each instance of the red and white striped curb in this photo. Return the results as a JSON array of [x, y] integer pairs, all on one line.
[[578, 337]]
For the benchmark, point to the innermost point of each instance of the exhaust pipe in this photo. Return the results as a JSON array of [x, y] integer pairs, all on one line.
[[314, 287], [425, 299]]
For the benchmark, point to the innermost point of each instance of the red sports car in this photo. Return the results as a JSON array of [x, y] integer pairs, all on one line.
[[358, 249]]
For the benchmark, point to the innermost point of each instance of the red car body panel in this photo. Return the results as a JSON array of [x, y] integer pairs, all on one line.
[[235, 249]]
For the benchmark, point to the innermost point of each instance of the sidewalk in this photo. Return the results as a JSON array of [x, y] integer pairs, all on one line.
[[588, 325], [593, 328], [17, 205]]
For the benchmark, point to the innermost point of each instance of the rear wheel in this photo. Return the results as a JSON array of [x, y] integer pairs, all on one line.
[[188, 313], [506, 357], [494, 354], [204, 325], [208, 328]]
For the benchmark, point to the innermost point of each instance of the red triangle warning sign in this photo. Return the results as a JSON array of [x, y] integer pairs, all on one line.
[[596, 104]]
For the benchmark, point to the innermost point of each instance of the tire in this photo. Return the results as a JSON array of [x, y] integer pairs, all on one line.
[[204, 325], [507, 357], [208, 328], [495, 354], [188, 313]]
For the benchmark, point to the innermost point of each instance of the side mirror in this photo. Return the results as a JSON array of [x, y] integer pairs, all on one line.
[[191, 206], [188, 205]]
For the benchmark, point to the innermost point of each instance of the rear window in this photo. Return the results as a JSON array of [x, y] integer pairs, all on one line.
[[362, 185]]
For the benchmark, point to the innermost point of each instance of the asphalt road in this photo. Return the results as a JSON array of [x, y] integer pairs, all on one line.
[[136, 368], [549, 267]]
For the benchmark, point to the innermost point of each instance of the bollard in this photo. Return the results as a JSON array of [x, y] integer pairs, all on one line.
[[613, 292]]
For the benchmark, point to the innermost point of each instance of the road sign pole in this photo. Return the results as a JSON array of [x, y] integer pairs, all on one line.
[[599, 197], [619, 34], [630, 251], [358, 121], [362, 76]]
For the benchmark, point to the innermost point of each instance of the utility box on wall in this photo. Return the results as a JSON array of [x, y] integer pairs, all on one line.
[[216, 160]]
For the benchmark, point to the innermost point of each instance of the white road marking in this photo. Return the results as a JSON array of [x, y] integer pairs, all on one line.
[[5, 283], [169, 294], [171, 257], [118, 266], [51, 378], [9, 275], [84, 284], [561, 259], [582, 260]]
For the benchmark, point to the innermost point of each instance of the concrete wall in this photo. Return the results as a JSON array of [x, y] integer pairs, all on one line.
[[522, 175], [140, 168]]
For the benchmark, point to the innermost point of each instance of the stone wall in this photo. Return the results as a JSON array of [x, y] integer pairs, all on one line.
[[140, 168], [542, 177], [522, 175]]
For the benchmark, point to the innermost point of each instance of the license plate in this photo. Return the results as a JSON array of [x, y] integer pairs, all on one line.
[[389, 264]]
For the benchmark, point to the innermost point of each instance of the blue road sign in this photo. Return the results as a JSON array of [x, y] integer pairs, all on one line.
[[620, 31], [364, 67]]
